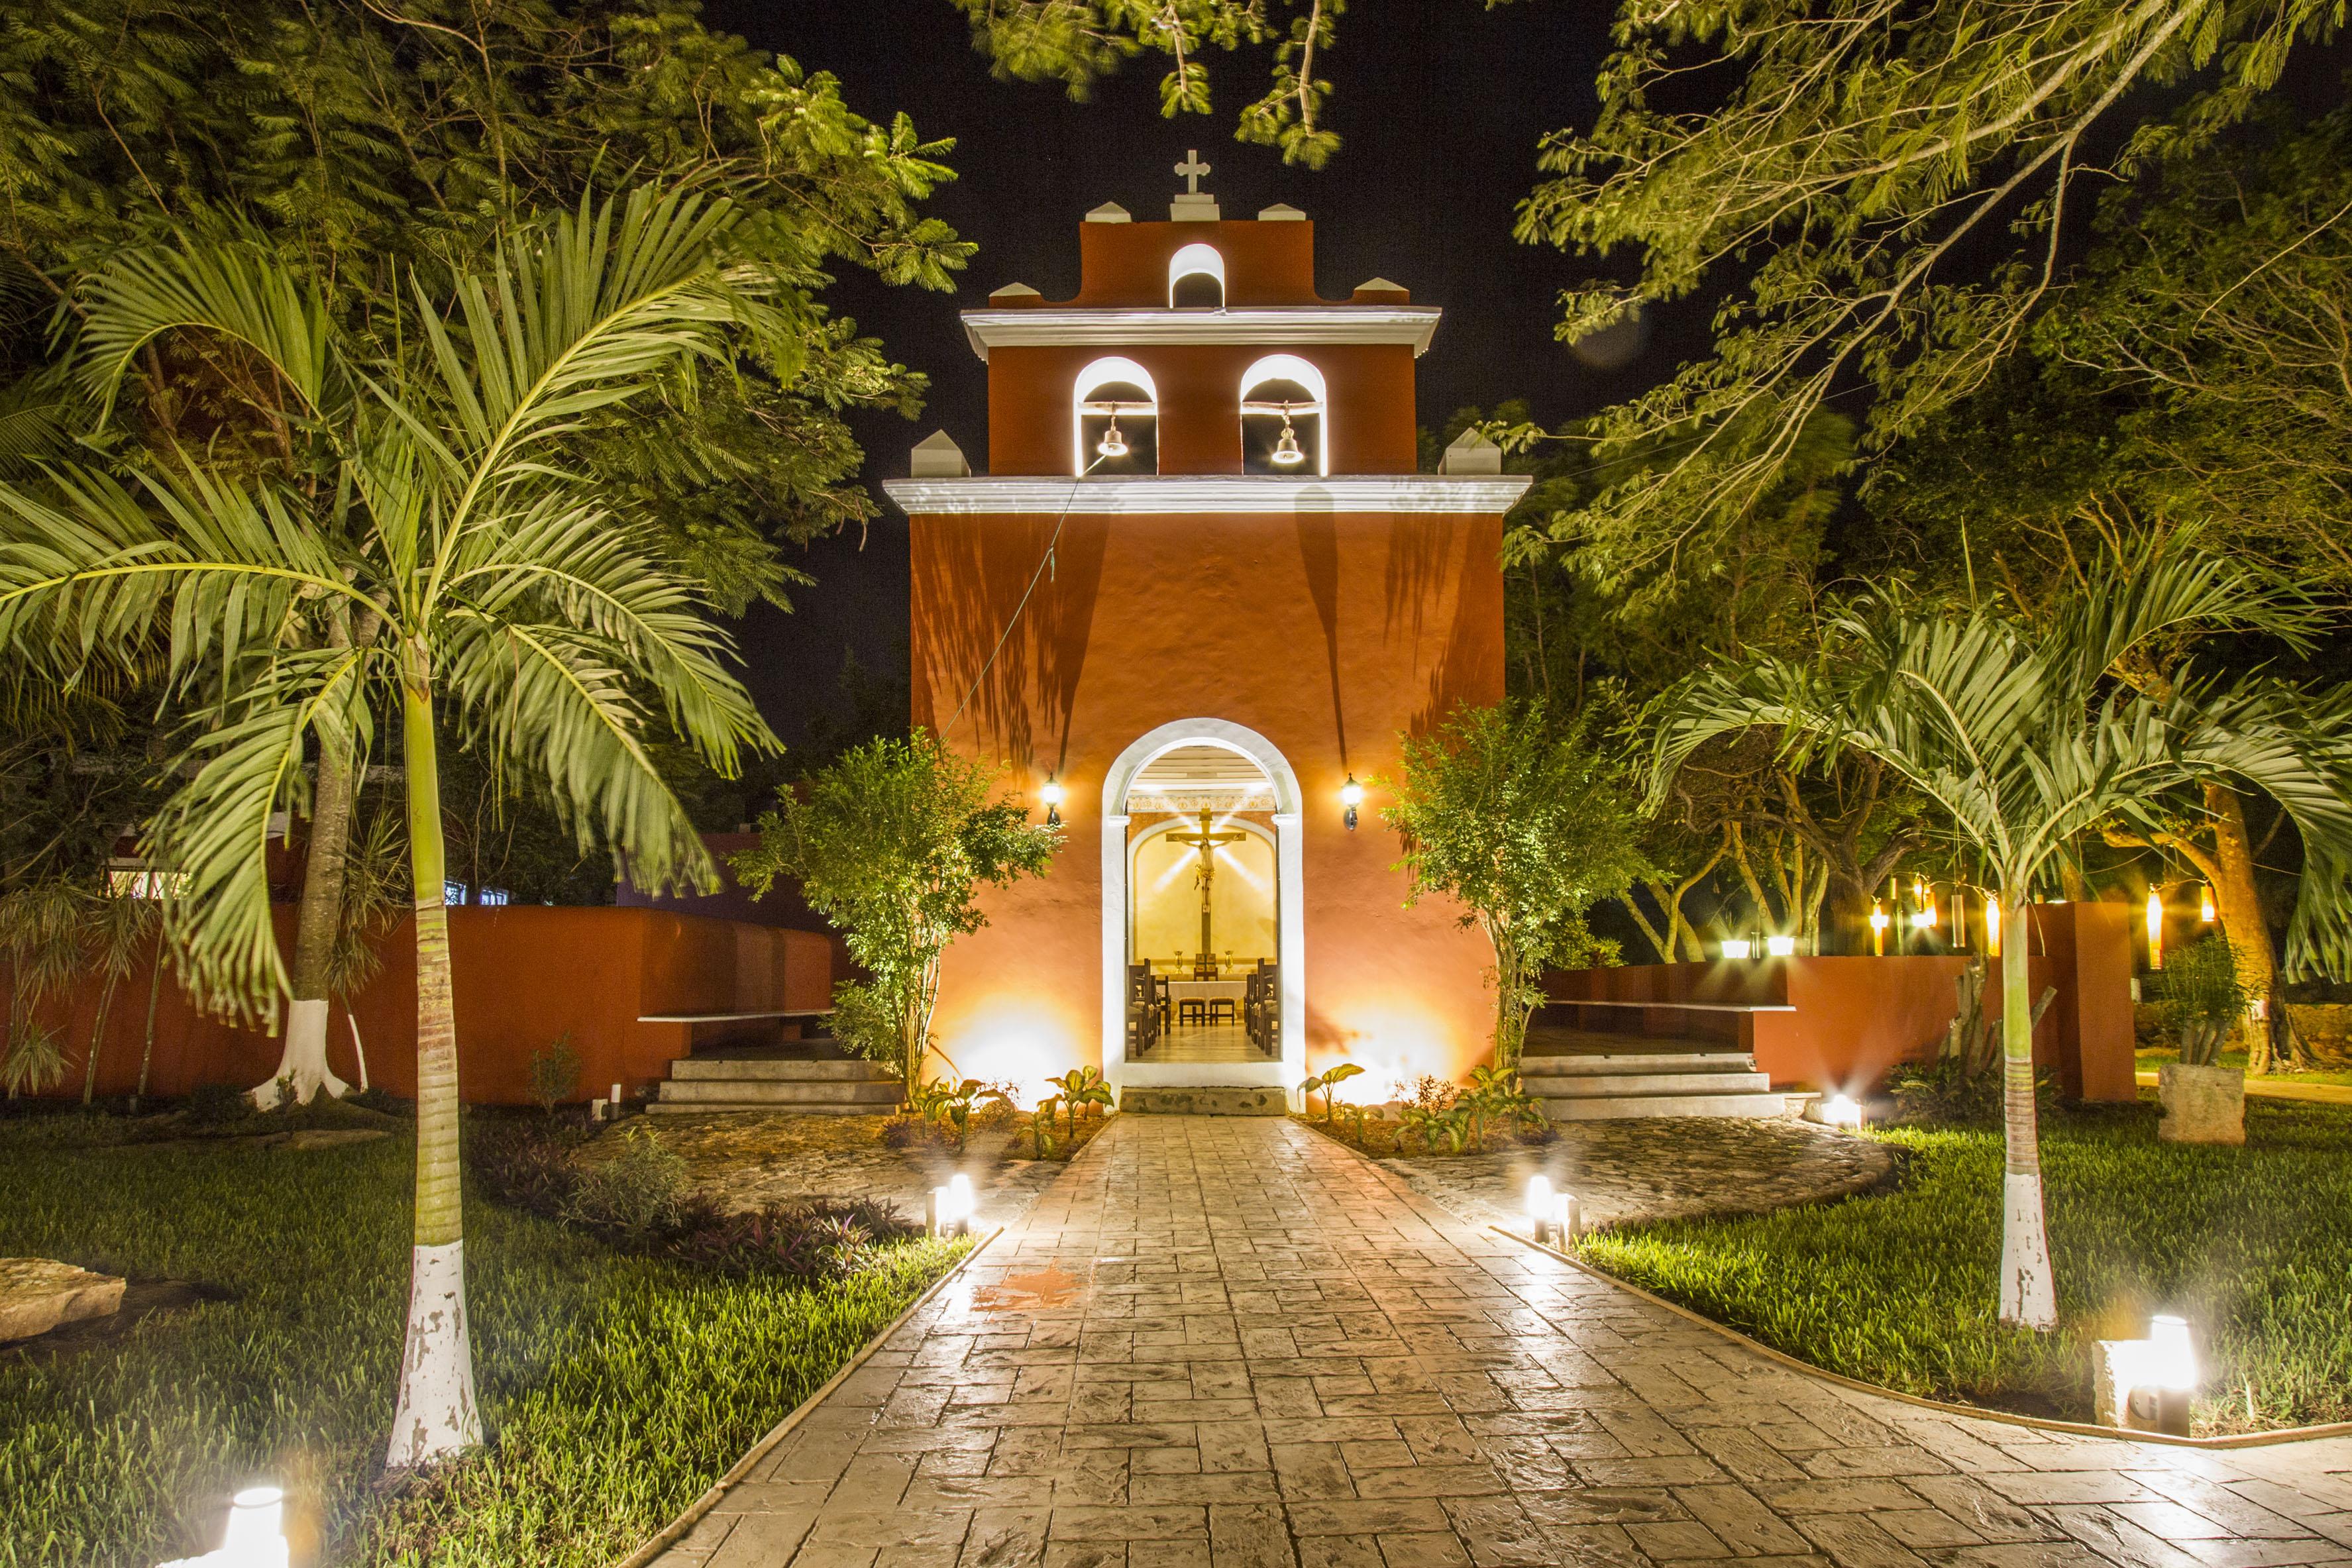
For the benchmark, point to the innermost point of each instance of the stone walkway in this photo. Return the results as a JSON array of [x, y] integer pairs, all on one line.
[[1228, 1341]]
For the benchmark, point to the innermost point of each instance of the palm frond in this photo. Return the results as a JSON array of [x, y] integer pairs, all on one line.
[[239, 292]]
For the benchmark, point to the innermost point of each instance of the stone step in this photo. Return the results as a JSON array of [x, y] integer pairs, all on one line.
[[778, 1069], [860, 1096], [1626, 1107], [1562, 1067], [1208, 1100], [1596, 1086]]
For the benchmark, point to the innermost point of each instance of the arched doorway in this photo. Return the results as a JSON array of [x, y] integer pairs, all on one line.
[[1200, 840]]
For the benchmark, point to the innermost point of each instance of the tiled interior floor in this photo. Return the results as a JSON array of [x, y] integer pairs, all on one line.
[[1227, 1340], [1204, 1042]]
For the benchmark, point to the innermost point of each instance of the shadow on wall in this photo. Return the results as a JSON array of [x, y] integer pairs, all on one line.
[[968, 584], [523, 976]]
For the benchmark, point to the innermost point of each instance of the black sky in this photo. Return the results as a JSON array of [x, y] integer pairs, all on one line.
[[1441, 104]]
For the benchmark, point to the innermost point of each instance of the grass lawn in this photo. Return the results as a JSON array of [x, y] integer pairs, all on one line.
[[2148, 1061], [615, 1387], [2252, 1245]]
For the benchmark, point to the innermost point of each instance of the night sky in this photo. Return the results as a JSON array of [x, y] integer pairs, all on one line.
[[1441, 104]]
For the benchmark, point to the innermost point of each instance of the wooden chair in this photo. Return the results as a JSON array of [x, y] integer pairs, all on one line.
[[1221, 1009], [1191, 1009]]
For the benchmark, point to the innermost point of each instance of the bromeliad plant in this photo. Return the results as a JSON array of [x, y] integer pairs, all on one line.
[[457, 568], [1080, 1086], [1324, 1082]]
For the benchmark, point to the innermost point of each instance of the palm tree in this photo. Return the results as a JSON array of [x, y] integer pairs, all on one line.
[[502, 591], [2022, 738]]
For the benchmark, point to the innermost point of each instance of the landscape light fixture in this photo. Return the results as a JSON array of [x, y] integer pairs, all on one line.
[[952, 1207], [1737, 946], [1112, 444], [1553, 1217], [1842, 1110], [1351, 795], [1538, 1208], [1051, 793], [1781, 946], [255, 1537], [2155, 929], [1878, 923], [1285, 446], [2205, 902]]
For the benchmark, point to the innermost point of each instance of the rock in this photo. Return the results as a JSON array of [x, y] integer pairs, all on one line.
[[2202, 1105], [36, 1294], [334, 1137]]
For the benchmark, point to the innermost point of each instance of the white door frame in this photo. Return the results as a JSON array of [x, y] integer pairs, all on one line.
[[1290, 936]]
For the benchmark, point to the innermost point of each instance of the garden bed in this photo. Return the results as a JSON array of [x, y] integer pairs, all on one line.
[[1628, 1171], [616, 1384], [1897, 1288]]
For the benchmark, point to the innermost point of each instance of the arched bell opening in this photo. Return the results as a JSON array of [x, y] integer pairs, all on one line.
[[1116, 419], [1283, 418]]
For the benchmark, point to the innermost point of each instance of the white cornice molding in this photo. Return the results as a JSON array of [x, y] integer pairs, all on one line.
[[1269, 324], [1242, 494]]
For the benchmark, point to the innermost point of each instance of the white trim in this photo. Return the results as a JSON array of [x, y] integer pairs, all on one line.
[[1290, 906], [1291, 368], [1196, 260], [1147, 495], [1126, 326]]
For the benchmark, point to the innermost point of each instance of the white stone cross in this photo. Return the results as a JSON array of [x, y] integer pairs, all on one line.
[[1192, 169]]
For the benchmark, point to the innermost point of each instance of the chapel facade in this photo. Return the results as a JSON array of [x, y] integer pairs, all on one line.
[[1198, 595]]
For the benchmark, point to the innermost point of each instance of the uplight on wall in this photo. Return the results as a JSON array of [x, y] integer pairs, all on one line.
[[255, 1537], [1051, 792], [1737, 946], [2155, 929], [1781, 946], [1351, 795]]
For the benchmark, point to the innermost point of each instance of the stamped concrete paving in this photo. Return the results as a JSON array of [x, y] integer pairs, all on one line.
[[1230, 1341]]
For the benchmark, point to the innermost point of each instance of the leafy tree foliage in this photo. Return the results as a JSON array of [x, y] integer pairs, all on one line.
[[1525, 825], [893, 843]]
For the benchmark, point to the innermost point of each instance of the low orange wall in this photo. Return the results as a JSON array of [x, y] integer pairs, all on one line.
[[1855, 1018], [523, 976]]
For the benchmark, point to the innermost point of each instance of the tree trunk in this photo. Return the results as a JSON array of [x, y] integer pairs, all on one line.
[[1510, 999], [97, 1037], [436, 1418], [2029, 1294], [302, 1065], [155, 990], [2238, 904]]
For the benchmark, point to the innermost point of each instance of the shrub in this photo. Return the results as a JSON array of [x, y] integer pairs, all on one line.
[[523, 1164], [2203, 998], [641, 1190], [34, 1062], [810, 1241], [554, 1073]]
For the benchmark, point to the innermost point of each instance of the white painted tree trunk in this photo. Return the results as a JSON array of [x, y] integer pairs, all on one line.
[[302, 1067], [436, 1418], [2029, 1290]]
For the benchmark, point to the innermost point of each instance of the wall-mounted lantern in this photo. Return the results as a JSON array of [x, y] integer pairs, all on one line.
[[1051, 793], [1351, 795]]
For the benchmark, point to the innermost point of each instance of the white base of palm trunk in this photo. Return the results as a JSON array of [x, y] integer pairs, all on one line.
[[436, 1418], [303, 1071], [2029, 1290]]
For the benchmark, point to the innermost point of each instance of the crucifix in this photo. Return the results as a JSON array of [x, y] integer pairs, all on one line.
[[1206, 842], [1192, 169]]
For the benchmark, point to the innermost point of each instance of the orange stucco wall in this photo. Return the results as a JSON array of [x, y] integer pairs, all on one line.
[[1127, 264], [523, 976], [1858, 1017], [1327, 634]]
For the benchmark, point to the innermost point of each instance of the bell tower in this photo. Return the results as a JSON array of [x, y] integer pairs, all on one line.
[[1201, 575]]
